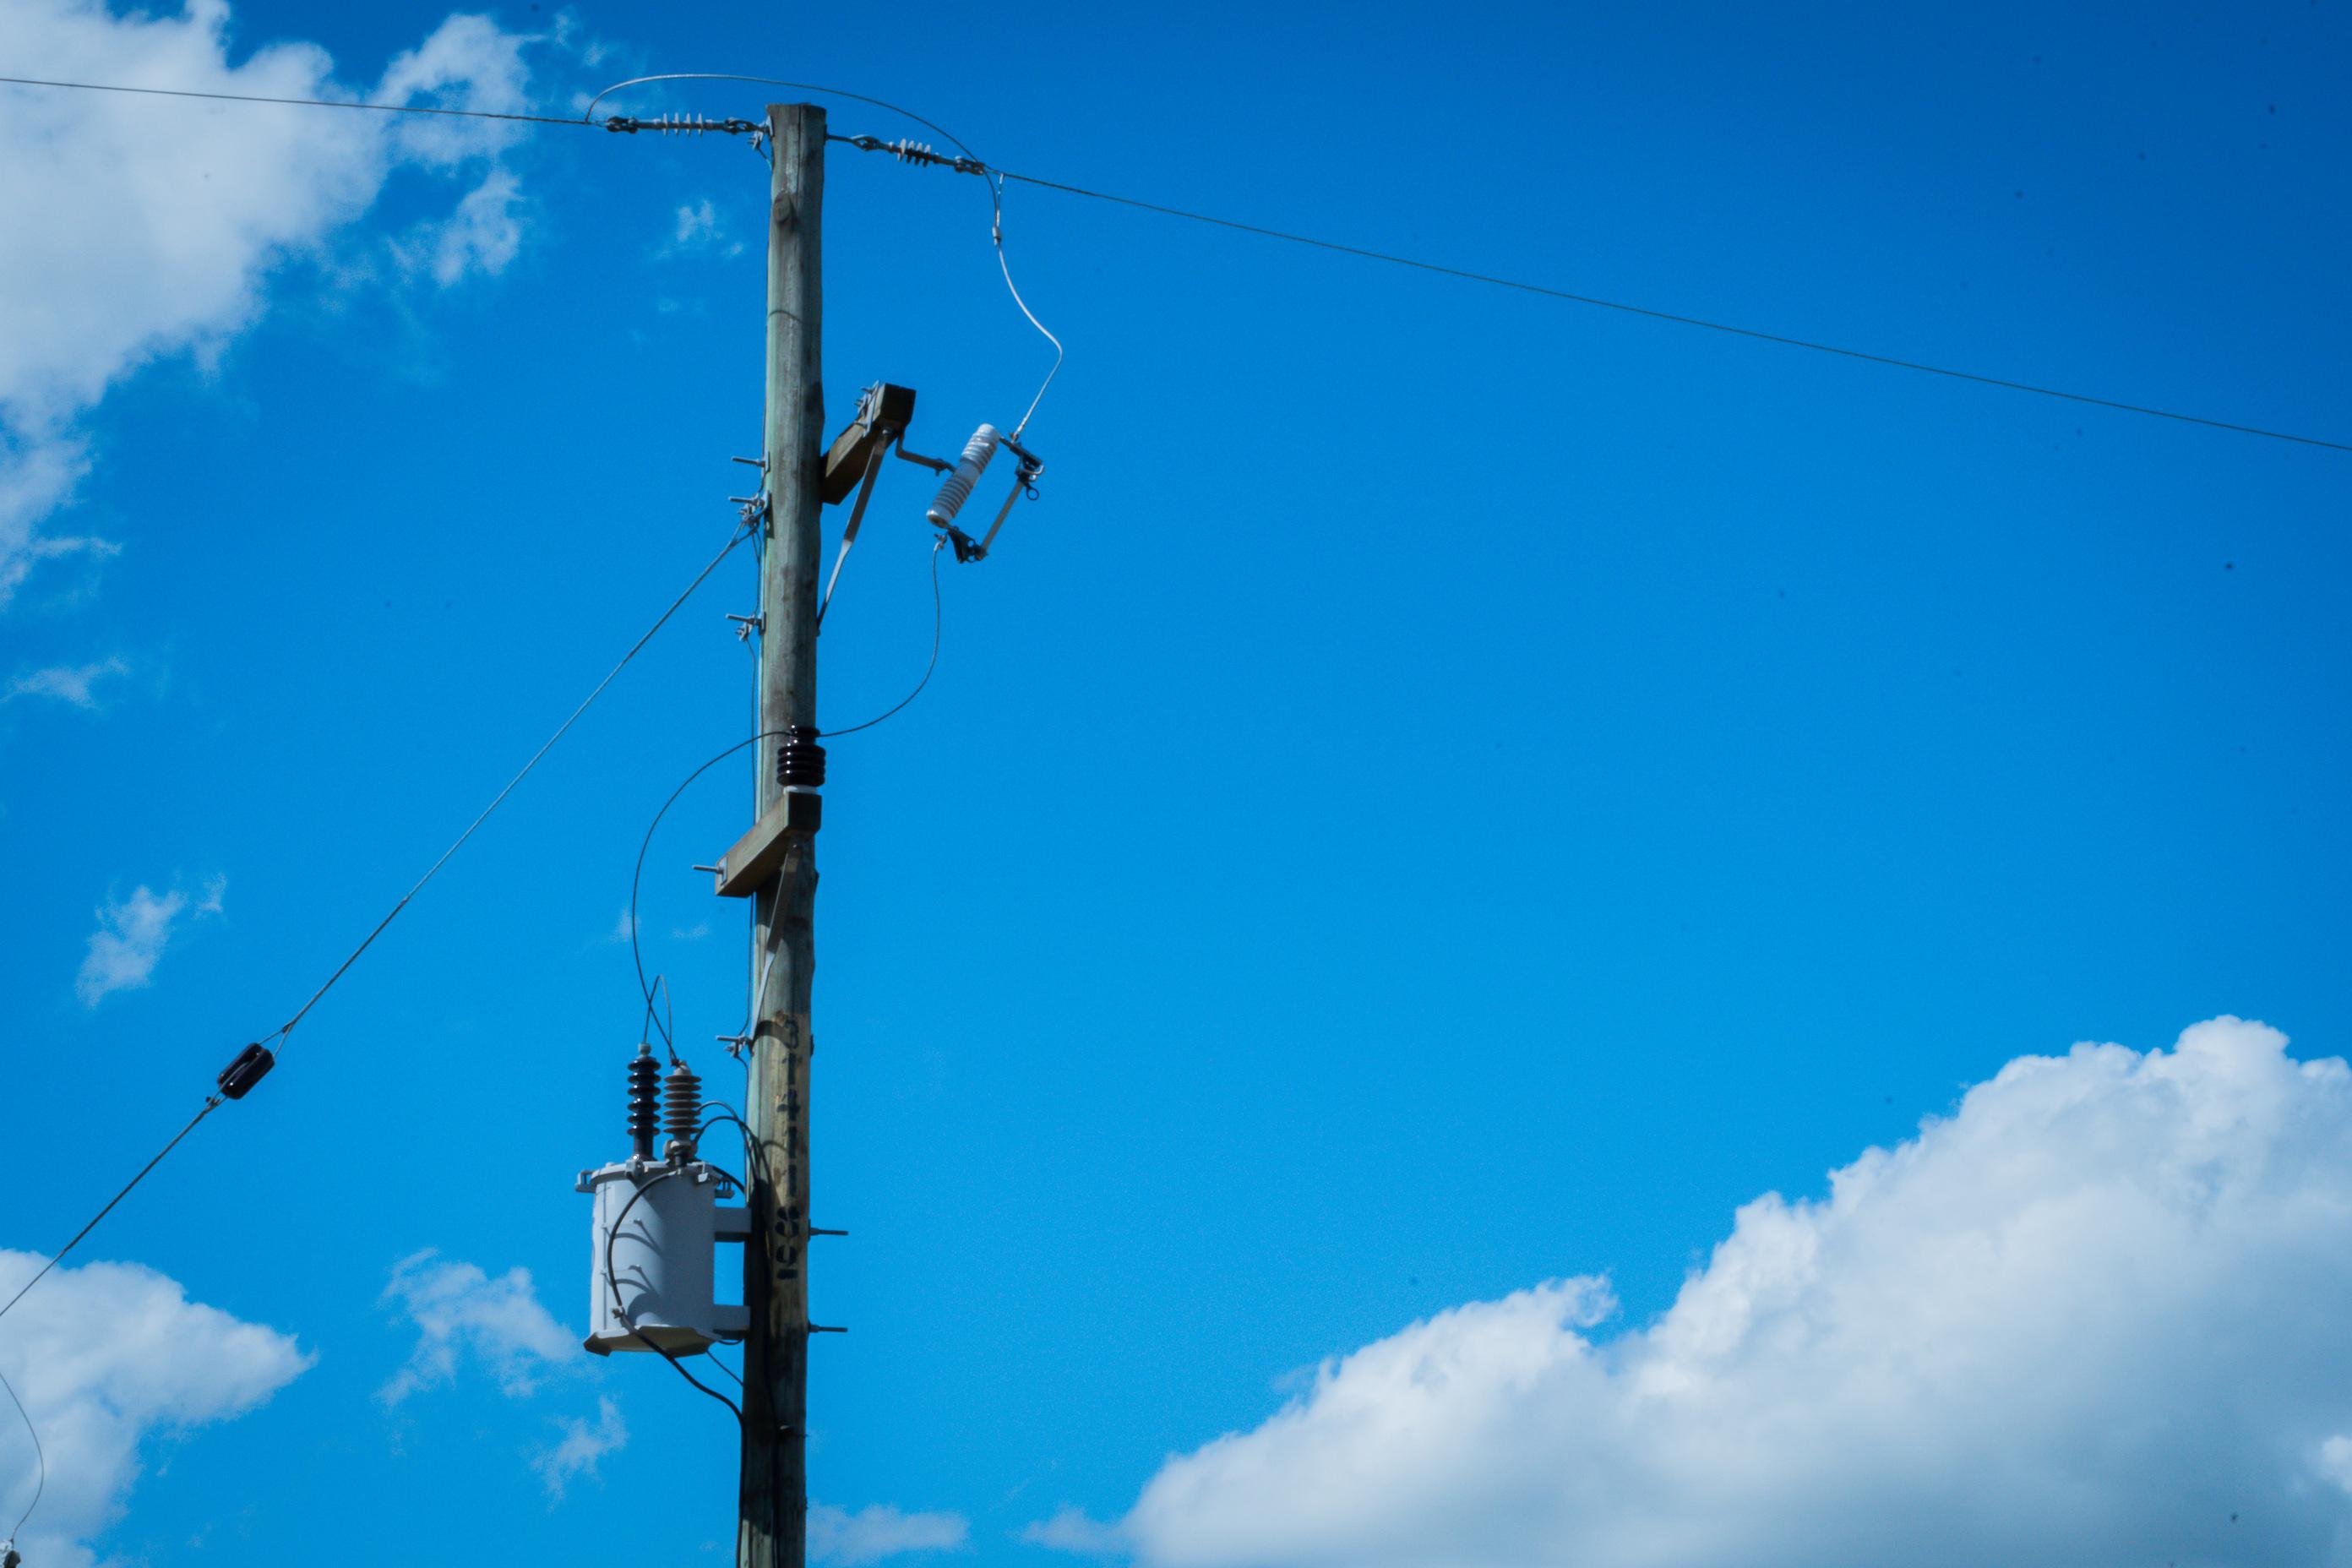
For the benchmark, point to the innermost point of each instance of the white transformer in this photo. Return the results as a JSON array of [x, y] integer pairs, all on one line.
[[655, 1229]]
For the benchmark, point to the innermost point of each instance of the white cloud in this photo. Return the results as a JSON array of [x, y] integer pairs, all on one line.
[[624, 926], [109, 1358], [581, 1448], [140, 227], [2094, 1316], [67, 683], [460, 1311], [469, 62], [696, 224], [701, 227], [131, 937], [879, 1530], [1074, 1530], [482, 235]]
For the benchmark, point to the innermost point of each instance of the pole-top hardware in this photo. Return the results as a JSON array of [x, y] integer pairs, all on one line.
[[683, 125]]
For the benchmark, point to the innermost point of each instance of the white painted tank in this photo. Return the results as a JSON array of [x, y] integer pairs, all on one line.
[[656, 1226]]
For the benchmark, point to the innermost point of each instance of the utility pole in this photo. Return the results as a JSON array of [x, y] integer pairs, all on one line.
[[772, 1515]]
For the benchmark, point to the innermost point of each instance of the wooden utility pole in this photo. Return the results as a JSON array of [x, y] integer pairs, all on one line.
[[772, 1517]]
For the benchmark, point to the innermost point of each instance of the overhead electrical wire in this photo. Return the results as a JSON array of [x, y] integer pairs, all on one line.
[[995, 177], [621, 1310], [213, 1102], [500, 799], [40, 1457], [938, 622], [299, 103], [915, 155], [40, 1453]]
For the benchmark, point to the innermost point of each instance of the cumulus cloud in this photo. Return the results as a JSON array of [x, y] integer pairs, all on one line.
[[109, 1359], [701, 227], [139, 228], [72, 684], [2096, 1315], [482, 235], [131, 937], [696, 224], [582, 1447], [460, 1313], [1074, 1530], [877, 1530]]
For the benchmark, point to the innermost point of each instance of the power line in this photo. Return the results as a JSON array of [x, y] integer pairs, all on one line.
[[301, 102], [972, 164], [41, 1455], [213, 1102], [500, 799], [968, 165]]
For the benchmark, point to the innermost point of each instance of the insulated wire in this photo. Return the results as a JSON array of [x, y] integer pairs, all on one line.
[[938, 621], [41, 1455], [669, 1035], [637, 876], [613, 1283], [996, 233]]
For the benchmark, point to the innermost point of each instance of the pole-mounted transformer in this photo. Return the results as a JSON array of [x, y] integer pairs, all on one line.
[[657, 1225]]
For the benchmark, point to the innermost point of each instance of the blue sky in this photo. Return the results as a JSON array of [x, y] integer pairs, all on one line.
[[1448, 791]]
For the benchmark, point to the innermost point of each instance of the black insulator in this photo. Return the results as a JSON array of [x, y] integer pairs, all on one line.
[[645, 1101], [800, 761], [237, 1078], [682, 1107]]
